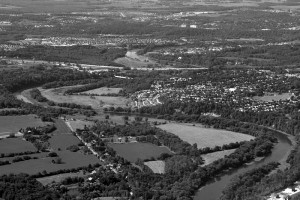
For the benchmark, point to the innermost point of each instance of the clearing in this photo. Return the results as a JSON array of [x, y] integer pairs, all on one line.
[[204, 137], [133, 60], [134, 151], [158, 166]]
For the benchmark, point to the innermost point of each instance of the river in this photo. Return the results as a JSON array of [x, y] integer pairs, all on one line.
[[213, 190]]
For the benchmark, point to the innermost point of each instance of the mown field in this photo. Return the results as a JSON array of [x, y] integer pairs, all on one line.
[[96, 102], [12, 124], [157, 166], [211, 157], [58, 178], [60, 139], [134, 151], [63, 141], [79, 124], [274, 97], [103, 90], [15, 145], [69, 160], [204, 137]]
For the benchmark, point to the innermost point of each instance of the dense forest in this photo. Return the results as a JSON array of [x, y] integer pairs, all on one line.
[[22, 186]]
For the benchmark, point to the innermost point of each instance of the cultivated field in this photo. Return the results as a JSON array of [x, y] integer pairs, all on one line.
[[79, 124], [63, 141], [273, 97], [61, 127], [58, 178], [103, 90], [204, 137], [211, 157], [157, 167], [69, 159], [133, 151], [12, 124], [15, 145], [96, 102]]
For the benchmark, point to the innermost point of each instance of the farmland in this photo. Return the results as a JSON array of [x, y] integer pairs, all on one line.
[[204, 137], [273, 97], [211, 157], [63, 141], [15, 145], [70, 160], [61, 138], [157, 166], [58, 178], [96, 102], [103, 90], [79, 124], [134, 151], [12, 124]]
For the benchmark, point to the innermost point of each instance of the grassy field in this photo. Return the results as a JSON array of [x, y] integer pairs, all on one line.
[[63, 141], [96, 102], [69, 159], [61, 127], [23, 98], [273, 97], [12, 124], [204, 137], [157, 167], [79, 124], [211, 157], [15, 145], [133, 60], [58, 178], [133, 151], [103, 90]]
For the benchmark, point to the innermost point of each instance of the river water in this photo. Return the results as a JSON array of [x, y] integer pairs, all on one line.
[[213, 190]]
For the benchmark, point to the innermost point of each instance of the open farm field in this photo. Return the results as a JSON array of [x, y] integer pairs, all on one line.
[[103, 90], [58, 178], [157, 166], [12, 124], [275, 97], [15, 145], [96, 102], [211, 157], [63, 141], [204, 137], [118, 119], [134, 151], [38, 155], [79, 124], [61, 127], [69, 159]]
